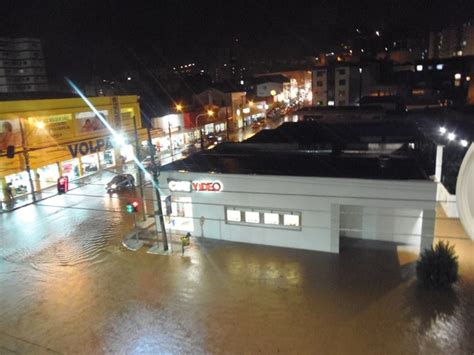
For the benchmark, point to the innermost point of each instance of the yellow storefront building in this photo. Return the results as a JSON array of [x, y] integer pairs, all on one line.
[[41, 140]]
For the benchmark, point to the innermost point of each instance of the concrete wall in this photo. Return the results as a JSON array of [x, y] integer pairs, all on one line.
[[319, 200]]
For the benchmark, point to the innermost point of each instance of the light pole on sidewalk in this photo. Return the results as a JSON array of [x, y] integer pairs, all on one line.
[[159, 208], [140, 177]]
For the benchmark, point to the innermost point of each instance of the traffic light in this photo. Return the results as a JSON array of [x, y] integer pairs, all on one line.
[[10, 151], [132, 207]]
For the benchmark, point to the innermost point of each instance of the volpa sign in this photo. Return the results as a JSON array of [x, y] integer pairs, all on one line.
[[200, 186], [89, 147]]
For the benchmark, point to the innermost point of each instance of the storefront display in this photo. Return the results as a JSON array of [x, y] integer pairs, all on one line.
[[90, 164], [70, 168], [209, 128], [106, 159], [47, 175], [19, 183]]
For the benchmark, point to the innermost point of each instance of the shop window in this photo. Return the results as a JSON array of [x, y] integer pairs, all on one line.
[[271, 218], [291, 220], [263, 217], [252, 217], [234, 216]]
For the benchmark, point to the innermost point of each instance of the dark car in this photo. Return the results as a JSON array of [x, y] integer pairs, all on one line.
[[120, 182], [212, 139]]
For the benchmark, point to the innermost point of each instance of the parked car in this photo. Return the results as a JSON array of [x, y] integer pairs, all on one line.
[[121, 182]]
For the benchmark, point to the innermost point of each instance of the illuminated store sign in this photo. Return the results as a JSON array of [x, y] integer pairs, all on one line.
[[200, 186]]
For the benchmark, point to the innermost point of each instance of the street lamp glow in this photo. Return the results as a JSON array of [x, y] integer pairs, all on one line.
[[119, 139], [463, 143], [40, 125], [129, 78], [377, 33], [210, 113], [250, 103], [179, 107], [442, 130], [451, 136], [273, 92]]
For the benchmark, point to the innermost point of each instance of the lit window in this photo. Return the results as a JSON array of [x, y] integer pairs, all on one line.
[[234, 216], [419, 67], [439, 66], [292, 220], [330, 103], [457, 76], [252, 217], [271, 218]]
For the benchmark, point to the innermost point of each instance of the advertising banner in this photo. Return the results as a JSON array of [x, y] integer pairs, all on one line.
[[89, 122], [48, 129], [10, 134]]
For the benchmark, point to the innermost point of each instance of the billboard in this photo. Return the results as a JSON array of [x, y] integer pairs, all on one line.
[[10, 133], [89, 122], [49, 129]]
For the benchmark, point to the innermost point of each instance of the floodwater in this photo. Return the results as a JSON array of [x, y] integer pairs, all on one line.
[[67, 285]]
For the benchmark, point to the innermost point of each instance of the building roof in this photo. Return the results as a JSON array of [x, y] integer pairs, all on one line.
[[270, 79], [310, 149], [307, 133]]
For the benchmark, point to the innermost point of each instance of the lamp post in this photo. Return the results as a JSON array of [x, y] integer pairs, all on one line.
[[27, 160], [210, 113], [360, 84]]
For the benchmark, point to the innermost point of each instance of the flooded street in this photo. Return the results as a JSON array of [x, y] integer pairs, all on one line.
[[69, 286]]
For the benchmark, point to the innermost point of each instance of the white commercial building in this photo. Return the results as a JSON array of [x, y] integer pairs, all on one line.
[[298, 198]]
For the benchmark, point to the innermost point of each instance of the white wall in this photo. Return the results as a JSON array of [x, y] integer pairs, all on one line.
[[318, 200], [387, 224]]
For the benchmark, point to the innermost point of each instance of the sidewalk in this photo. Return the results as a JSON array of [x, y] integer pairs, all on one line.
[[27, 199]]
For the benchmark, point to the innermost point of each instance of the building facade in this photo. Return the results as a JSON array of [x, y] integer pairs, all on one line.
[[453, 41], [22, 66], [342, 84], [62, 137]]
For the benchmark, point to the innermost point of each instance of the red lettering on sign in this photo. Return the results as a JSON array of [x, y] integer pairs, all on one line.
[[213, 186]]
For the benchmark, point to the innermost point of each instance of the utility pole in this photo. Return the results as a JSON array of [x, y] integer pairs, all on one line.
[[140, 176], [159, 209], [171, 142], [227, 122], [27, 160]]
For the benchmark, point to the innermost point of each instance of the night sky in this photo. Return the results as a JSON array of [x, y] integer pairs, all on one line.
[[84, 33]]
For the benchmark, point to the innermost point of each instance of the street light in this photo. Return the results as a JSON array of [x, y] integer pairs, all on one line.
[[179, 107], [210, 113]]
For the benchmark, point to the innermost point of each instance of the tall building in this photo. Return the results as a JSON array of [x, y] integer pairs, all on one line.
[[22, 66], [342, 84], [453, 41]]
